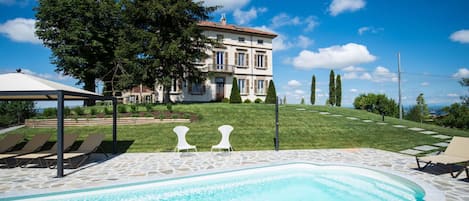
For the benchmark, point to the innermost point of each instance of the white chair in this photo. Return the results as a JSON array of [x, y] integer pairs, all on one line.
[[182, 143], [225, 131]]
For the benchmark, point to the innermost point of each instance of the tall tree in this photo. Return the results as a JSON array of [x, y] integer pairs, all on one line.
[[271, 97], [284, 100], [82, 35], [169, 39], [332, 88], [465, 83], [15, 112], [313, 90], [235, 96], [338, 91]]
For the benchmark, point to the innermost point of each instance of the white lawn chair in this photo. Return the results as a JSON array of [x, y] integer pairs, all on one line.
[[225, 131], [182, 143]]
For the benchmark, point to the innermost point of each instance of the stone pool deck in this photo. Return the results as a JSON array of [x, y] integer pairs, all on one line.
[[133, 167]]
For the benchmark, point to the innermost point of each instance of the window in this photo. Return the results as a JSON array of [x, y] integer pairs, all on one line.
[[260, 61], [196, 88], [148, 99], [174, 85], [241, 39], [241, 59], [242, 86], [133, 99], [219, 38], [260, 87], [220, 60], [260, 42]]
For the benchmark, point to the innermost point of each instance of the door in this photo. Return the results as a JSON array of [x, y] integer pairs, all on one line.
[[220, 88]]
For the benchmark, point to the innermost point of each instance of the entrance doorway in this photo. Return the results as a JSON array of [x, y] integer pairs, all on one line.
[[220, 88]]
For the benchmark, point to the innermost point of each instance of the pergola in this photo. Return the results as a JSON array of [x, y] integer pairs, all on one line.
[[21, 87]]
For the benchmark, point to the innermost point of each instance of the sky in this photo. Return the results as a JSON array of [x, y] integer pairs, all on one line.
[[358, 39]]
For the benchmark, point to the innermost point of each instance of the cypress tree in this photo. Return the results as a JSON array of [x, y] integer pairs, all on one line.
[[284, 100], [235, 97], [331, 88], [271, 94], [302, 101], [338, 91], [313, 90]]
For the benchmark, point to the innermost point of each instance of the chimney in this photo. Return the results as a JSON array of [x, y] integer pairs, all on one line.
[[223, 19]]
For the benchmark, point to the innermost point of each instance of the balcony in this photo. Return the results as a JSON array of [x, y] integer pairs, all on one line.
[[218, 68]]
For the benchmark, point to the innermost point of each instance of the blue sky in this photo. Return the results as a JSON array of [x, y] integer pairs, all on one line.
[[359, 39]]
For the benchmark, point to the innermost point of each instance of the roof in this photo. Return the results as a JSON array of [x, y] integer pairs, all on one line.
[[22, 86], [235, 29]]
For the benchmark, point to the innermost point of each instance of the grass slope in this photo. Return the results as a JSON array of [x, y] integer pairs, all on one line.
[[255, 129]]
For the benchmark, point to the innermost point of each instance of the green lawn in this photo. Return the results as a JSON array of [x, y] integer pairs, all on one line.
[[255, 129]]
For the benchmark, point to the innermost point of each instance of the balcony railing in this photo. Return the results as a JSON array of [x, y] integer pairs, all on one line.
[[220, 68]]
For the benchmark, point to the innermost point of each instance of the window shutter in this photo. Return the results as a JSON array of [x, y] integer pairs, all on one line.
[[247, 86], [189, 86], [255, 86], [226, 60], [255, 60], [236, 58], [265, 61], [246, 60]]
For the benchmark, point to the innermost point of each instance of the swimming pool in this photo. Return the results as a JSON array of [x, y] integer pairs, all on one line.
[[292, 181]]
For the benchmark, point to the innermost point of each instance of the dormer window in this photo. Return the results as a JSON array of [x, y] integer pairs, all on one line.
[[241, 39], [260, 42]]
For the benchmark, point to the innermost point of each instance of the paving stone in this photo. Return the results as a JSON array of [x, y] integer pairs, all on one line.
[[429, 132], [425, 148], [336, 115], [399, 126], [313, 111], [410, 152], [367, 121], [441, 144], [324, 113], [352, 118], [381, 123], [442, 136], [300, 109], [416, 129]]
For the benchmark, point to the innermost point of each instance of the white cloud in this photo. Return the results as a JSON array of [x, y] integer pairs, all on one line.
[[353, 90], [294, 83], [339, 6], [227, 5], [20, 30], [304, 42], [318, 90], [281, 43], [285, 20], [461, 36], [334, 57], [452, 95], [363, 30], [380, 74], [299, 92], [424, 84], [47, 76], [353, 69], [244, 17], [462, 73]]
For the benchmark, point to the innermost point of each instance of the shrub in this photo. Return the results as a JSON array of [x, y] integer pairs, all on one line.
[[134, 108], [93, 111], [79, 110], [67, 111], [50, 112], [258, 100], [149, 107], [225, 100], [175, 116], [169, 106], [247, 100], [122, 109], [235, 97], [271, 97], [107, 111]]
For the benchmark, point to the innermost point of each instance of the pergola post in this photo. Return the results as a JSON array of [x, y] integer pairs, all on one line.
[[114, 125], [60, 133]]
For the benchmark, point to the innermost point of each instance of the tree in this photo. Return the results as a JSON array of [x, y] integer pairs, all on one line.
[[15, 112], [302, 101], [331, 88], [338, 91], [284, 100], [423, 107], [313, 90], [458, 116], [271, 97], [169, 40], [235, 96], [376, 103], [82, 35], [465, 83]]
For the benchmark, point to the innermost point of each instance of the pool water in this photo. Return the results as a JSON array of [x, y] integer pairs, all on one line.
[[292, 182]]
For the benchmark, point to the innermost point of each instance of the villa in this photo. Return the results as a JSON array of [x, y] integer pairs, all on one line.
[[245, 54]]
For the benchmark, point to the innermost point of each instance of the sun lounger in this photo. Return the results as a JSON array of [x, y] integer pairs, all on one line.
[[89, 145], [9, 141], [225, 131], [31, 146], [182, 143], [24, 160], [457, 152]]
